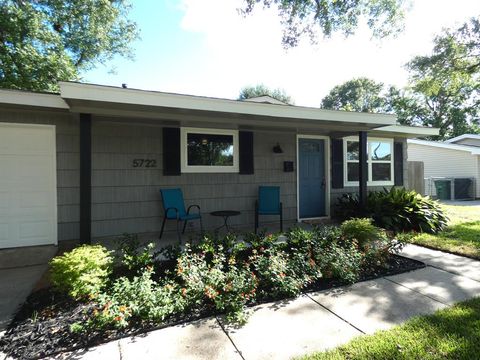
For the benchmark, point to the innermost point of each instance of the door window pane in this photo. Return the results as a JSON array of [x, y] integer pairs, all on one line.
[[381, 172], [310, 146], [209, 150]]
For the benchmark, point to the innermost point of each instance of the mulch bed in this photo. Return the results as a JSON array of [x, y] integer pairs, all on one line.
[[42, 325]]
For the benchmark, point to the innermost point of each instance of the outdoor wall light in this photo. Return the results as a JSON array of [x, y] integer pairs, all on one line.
[[277, 149]]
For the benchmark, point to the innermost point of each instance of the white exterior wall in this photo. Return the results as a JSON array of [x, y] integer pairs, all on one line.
[[440, 162]]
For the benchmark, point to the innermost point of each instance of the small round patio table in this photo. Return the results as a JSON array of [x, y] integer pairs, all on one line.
[[225, 214]]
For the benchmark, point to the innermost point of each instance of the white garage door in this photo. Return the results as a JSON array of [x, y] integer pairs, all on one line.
[[28, 197]]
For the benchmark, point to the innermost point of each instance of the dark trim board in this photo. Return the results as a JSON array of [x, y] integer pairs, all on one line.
[[337, 163], [171, 151], [246, 155], [363, 169], [85, 178], [398, 163]]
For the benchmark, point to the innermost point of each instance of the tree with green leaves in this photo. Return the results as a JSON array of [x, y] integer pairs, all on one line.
[[444, 87], [45, 41], [261, 90], [307, 17], [360, 94]]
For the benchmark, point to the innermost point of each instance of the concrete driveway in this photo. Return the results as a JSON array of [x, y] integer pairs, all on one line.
[[312, 322], [20, 271]]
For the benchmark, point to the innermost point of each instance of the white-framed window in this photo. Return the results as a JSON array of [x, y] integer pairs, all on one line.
[[379, 158], [209, 150]]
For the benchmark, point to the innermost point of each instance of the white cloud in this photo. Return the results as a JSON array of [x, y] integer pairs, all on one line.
[[247, 51], [224, 51]]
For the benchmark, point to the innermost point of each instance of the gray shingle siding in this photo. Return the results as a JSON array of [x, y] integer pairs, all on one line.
[[126, 199]]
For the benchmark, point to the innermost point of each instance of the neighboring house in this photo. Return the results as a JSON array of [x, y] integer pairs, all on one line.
[[89, 162], [465, 139], [455, 158]]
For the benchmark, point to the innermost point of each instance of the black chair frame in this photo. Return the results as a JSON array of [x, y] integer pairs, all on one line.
[[177, 217], [257, 215]]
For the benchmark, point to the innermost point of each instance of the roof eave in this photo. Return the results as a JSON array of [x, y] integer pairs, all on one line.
[[76, 92], [408, 132], [463, 136], [445, 146], [32, 99]]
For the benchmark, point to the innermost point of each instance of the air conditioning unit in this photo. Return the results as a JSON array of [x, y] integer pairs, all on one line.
[[464, 189]]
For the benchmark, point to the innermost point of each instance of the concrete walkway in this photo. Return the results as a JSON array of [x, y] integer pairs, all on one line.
[[15, 285], [20, 271], [312, 322]]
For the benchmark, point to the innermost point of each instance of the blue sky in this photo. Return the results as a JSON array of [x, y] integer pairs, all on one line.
[[206, 48]]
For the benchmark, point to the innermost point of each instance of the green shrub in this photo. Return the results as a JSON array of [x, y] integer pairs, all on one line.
[[140, 298], [301, 253], [340, 262], [397, 209], [133, 255], [225, 275], [276, 277], [171, 252], [82, 272], [215, 279], [330, 255], [362, 231], [212, 244], [373, 242]]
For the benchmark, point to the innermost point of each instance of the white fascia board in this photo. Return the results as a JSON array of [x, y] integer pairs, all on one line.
[[100, 93], [461, 137], [408, 131], [265, 99], [27, 98], [445, 146]]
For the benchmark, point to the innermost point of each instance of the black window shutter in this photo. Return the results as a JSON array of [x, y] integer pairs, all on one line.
[[245, 149], [398, 163], [337, 163], [171, 151]]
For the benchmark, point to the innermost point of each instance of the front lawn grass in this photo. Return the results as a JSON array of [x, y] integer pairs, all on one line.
[[462, 239], [452, 333], [458, 214], [462, 236]]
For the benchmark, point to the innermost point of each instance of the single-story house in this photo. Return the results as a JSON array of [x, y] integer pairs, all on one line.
[[89, 161], [456, 158]]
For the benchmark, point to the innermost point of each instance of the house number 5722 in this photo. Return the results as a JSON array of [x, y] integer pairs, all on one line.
[[147, 163]]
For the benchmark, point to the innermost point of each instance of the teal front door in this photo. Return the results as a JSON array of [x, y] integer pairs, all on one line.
[[311, 178]]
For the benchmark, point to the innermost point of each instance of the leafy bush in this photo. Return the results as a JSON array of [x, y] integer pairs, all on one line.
[[140, 298], [171, 252], [341, 262], [329, 255], [216, 280], [225, 275], [132, 254], [362, 231], [275, 275], [212, 244], [372, 241], [397, 209], [82, 272]]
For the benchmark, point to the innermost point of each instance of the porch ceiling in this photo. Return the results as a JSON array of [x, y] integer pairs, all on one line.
[[186, 110]]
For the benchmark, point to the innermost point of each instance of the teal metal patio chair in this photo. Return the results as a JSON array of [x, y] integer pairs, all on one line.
[[268, 203], [174, 209]]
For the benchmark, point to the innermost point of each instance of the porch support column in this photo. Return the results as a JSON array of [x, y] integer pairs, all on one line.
[[85, 178], [363, 170]]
